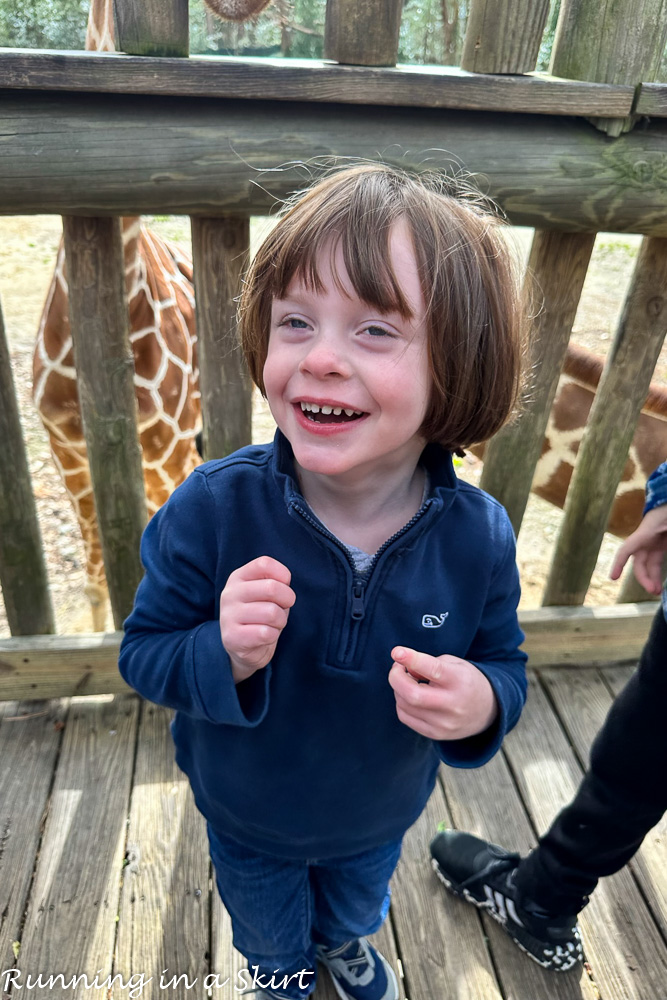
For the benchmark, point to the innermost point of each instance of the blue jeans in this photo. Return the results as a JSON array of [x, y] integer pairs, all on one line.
[[281, 909]]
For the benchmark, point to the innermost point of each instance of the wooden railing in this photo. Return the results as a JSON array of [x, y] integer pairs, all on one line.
[[93, 136]]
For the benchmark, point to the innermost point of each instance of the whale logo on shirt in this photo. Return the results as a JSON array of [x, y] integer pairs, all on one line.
[[434, 621]]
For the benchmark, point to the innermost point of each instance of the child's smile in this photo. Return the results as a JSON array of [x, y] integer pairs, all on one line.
[[328, 415], [347, 384]]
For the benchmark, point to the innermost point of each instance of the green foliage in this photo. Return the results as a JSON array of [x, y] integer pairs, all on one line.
[[613, 246], [43, 24], [432, 32], [544, 58]]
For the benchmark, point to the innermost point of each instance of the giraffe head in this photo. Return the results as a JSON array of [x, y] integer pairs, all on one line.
[[237, 10]]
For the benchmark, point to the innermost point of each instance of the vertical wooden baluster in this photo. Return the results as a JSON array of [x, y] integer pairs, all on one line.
[[504, 36], [611, 426], [362, 32], [555, 276], [105, 369], [220, 248], [152, 27], [25, 586]]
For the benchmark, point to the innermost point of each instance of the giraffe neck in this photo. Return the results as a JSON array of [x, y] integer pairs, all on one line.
[[100, 33]]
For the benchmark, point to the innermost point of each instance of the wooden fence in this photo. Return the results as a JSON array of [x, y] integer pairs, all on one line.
[[94, 136]]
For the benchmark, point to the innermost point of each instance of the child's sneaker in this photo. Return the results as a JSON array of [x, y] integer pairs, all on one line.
[[483, 874], [359, 972]]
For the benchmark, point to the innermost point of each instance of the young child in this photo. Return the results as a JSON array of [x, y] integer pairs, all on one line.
[[334, 614]]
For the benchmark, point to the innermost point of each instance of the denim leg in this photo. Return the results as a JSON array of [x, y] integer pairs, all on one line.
[[269, 902], [351, 895], [622, 795]]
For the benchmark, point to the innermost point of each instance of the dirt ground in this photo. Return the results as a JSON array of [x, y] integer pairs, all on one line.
[[28, 248]]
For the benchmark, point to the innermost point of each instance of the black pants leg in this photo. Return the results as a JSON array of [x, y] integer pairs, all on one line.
[[622, 795]]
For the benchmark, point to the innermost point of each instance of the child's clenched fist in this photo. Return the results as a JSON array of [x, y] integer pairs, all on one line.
[[254, 607]]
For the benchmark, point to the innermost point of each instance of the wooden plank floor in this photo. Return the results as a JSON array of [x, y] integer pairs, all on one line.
[[104, 870]]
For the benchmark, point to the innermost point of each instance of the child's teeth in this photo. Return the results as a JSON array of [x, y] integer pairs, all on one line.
[[327, 411]]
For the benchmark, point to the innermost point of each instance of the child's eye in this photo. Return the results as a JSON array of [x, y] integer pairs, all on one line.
[[294, 323], [378, 331]]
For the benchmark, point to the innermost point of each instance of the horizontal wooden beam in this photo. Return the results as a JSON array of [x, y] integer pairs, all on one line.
[[586, 636], [60, 666], [309, 80], [103, 154], [652, 100]]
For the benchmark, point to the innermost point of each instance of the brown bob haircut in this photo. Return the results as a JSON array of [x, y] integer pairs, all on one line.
[[468, 280]]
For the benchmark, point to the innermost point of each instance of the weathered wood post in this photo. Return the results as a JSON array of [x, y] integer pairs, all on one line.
[[220, 249], [611, 426], [105, 369], [605, 41], [362, 32], [504, 36], [23, 576], [552, 288], [152, 27]]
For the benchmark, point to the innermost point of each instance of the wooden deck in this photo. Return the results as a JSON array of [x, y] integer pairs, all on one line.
[[104, 866]]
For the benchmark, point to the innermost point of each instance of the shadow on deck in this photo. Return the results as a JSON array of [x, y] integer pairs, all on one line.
[[104, 866]]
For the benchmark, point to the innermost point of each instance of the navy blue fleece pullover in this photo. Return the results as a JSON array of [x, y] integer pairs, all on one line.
[[307, 758]]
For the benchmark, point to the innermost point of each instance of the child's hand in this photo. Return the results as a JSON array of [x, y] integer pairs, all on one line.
[[458, 700], [254, 607], [648, 545]]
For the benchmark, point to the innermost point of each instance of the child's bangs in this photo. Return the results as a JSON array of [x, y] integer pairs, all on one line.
[[364, 240]]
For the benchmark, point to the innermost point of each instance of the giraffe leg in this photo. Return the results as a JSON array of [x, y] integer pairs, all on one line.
[[98, 596], [70, 457]]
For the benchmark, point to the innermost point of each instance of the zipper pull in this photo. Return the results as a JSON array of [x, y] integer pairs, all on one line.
[[358, 609]]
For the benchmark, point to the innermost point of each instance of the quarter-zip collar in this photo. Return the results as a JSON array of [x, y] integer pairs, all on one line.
[[434, 458], [360, 588]]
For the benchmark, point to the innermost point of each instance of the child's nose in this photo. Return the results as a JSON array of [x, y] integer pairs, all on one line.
[[325, 358]]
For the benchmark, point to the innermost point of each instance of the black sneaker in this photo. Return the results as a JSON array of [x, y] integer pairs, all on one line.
[[483, 874]]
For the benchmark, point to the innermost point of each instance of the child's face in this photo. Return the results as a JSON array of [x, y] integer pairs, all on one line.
[[331, 351]]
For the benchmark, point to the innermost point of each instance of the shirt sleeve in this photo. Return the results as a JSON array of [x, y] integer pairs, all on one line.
[[172, 652], [656, 488], [495, 651]]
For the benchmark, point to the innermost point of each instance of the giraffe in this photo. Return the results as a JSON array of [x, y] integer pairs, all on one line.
[[579, 380], [160, 293]]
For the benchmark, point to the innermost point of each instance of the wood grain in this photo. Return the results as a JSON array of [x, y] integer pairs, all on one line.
[[70, 925], [504, 36], [152, 27], [23, 576], [105, 373], [362, 32], [165, 901], [30, 738], [555, 276], [611, 424], [309, 80], [220, 250], [117, 154]]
